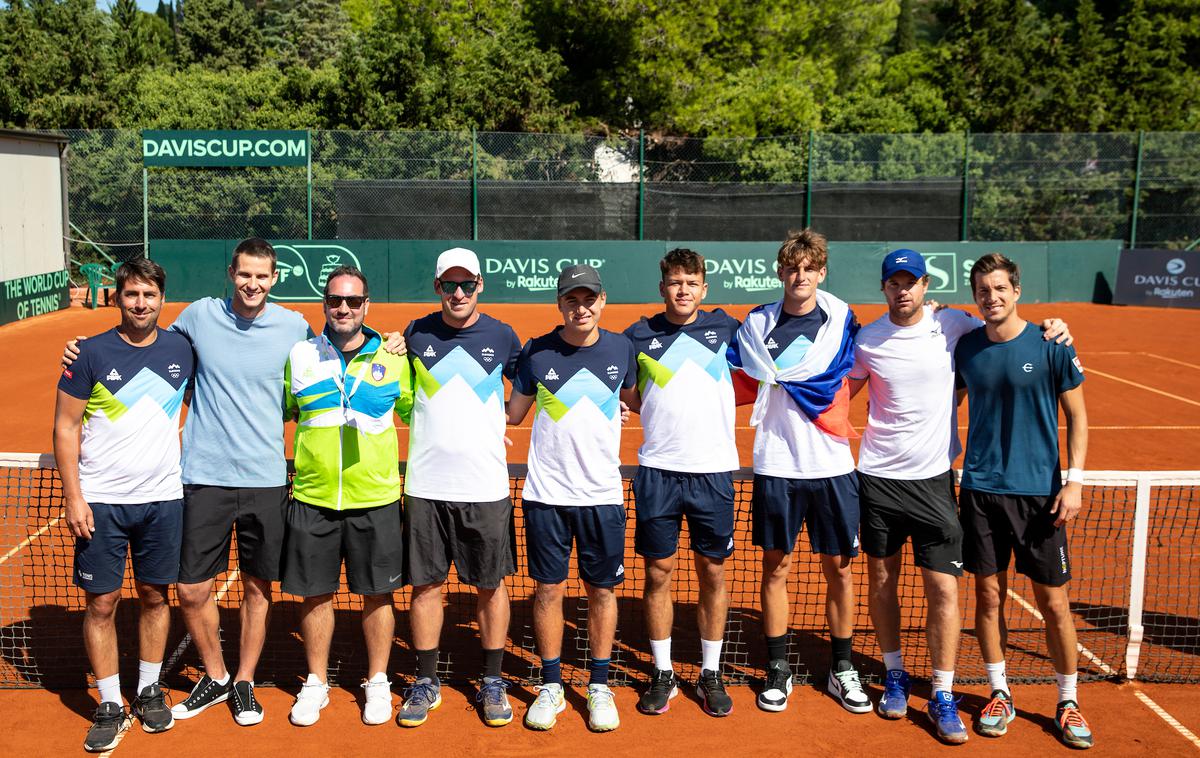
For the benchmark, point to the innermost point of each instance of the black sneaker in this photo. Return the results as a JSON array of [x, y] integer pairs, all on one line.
[[657, 700], [110, 720], [150, 706], [247, 711], [205, 694], [711, 691], [778, 686]]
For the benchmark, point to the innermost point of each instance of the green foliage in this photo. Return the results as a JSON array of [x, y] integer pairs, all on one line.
[[219, 34]]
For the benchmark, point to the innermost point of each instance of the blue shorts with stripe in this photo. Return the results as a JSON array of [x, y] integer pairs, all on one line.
[[665, 497], [828, 506], [152, 532], [597, 532]]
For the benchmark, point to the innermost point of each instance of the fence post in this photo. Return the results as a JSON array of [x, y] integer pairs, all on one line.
[[965, 231], [1137, 575], [808, 182], [474, 188], [308, 132], [641, 185], [145, 213], [1137, 192]]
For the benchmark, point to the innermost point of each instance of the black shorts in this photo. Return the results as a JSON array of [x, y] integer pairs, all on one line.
[[478, 537], [151, 531], [998, 526], [598, 532], [369, 540], [210, 514], [665, 497], [829, 506], [893, 510]]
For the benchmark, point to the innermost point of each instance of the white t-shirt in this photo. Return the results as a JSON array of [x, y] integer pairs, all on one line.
[[911, 422], [786, 443]]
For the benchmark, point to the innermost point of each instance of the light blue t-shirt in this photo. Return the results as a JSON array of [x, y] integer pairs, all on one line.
[[233, 436]]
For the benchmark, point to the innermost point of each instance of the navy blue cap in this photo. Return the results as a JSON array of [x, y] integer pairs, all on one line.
[[903, 260]]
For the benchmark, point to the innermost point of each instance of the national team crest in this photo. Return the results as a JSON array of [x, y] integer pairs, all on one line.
[[378, 370]]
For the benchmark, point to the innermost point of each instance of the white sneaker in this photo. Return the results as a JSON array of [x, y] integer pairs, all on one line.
[[844, 686], [378, 708], [602, 709], [543, 714], [314, 696]]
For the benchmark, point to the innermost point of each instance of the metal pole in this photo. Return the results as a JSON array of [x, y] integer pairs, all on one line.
[[808, 183], [641, 185], [474, 187], [965, 228], [1137, 192], [145, 213], [309, 151]]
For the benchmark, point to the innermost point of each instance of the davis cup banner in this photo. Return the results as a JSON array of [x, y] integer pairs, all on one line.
[[1167, 278], [225, 148]]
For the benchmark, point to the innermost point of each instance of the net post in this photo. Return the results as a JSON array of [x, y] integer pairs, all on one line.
[[964, 232], [1137, 191], [1137, 575]]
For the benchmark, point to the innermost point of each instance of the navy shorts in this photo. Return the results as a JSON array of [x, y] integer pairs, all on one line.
[[665, 497], [829, 506], [152, 532], [598, 532]]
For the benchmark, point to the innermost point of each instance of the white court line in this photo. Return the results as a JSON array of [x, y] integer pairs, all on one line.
[[1188, 734], [1172, 360], [30, 539], [1139, 352], [1189, 401], [1108, 670]]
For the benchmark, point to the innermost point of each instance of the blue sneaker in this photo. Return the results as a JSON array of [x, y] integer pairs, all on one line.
[[943, 712], [1073, 729], [894, 703]]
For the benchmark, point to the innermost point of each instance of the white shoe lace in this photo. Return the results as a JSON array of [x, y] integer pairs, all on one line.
[[848, 679], [600, 698]]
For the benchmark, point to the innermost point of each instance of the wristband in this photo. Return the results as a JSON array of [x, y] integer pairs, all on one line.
[[1075, 475]]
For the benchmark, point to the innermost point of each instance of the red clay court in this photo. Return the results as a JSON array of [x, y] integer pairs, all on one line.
[[1144, 415]]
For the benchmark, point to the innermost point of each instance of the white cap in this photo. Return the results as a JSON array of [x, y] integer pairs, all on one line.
[[457, 256]]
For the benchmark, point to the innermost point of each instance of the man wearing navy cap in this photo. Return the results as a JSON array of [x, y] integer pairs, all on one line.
[[906, 485]]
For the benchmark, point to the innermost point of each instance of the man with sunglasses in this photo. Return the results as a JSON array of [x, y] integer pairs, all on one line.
[[342, 388], [456, 492]]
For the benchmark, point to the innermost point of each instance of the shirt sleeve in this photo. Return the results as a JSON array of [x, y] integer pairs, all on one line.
[[631, 365], [956, 323], [523, 382], [78, 378], [514, 352], [407, 397], [1068, 371], [291, 410], [183, 322], [859, 370], [733, 353]]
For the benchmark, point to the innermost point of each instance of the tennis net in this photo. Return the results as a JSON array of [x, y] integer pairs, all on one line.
[[1135, 552]]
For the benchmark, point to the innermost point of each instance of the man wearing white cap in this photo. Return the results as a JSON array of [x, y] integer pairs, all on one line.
[[456, 494]]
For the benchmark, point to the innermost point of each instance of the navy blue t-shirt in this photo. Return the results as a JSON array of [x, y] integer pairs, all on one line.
[[1013, 388], [792, 336]]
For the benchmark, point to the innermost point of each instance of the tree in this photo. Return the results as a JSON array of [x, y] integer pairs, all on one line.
[[219, 34]]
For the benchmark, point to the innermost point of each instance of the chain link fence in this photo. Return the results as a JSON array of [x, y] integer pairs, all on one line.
[[1144, 188]]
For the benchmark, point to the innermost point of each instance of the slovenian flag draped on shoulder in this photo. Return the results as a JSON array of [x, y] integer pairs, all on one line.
[[818, 383]]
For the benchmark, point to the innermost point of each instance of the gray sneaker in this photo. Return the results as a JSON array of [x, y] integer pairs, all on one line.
[[150, 706], [422, 697], [110, 720], [493, 701]]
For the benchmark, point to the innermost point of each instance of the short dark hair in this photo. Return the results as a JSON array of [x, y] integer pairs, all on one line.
[[256, 246], [689, 260], [803, 244], [347, 271], [144, 270], [996, 262]]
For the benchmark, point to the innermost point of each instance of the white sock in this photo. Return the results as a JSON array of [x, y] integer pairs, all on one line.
[[710, 655], [996, 677], [893, 661], [110, 689], [943, 681], [223, 680], [377, 678], [148, 674], [1066, 686], [312, 679], [661, 650]]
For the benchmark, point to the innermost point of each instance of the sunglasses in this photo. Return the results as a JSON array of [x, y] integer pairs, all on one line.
[[448, 287], [354, 301]]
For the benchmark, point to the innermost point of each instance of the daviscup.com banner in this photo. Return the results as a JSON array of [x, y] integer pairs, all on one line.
[[1167, 278]]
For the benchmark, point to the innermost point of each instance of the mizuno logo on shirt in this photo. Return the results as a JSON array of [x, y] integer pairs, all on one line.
[[771, 343], [113, 376], [654, 344], [552, 375], [430, 352], [956, 564]]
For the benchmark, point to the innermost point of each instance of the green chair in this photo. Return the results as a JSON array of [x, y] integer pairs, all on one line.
[[98, 277]]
